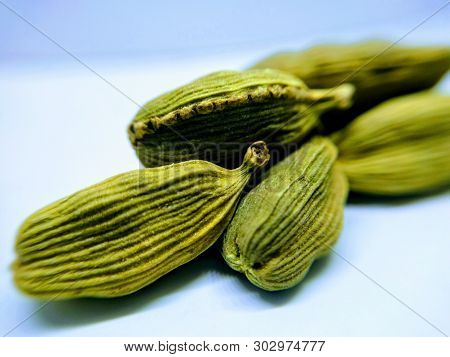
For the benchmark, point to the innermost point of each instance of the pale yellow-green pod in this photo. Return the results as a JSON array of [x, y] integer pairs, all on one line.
[[378, 69], [122, 234], [400, 147], [215, 116], [290, 219]]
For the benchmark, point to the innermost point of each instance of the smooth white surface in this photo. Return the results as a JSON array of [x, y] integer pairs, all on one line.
[[62, 128]]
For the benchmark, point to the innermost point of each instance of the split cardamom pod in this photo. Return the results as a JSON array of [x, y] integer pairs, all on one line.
[[121, 234], [213, 117], [291, 218], [377, 69], [400, 147]]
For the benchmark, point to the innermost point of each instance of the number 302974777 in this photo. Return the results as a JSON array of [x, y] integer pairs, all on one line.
[[288, 346]]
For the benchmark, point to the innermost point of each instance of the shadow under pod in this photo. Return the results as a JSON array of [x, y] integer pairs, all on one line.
[[359, 198], [282, 297], [91, 310]]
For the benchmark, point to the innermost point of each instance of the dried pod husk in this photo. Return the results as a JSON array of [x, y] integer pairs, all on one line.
[[120, 235], [215, 116], [400, 147], [291, 218], [377, 69]]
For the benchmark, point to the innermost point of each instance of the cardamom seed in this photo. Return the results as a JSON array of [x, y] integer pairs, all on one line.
[[400, 147], [291, 218], [214, 116], [377, 69], [121, 234]]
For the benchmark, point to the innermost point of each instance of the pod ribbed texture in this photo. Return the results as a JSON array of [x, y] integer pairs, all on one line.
[[400, 147], [229, 108], [117, 236], [290, 219], [378, 70]]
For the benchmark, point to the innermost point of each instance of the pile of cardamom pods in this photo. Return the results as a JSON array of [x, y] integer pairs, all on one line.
[[362, 117]]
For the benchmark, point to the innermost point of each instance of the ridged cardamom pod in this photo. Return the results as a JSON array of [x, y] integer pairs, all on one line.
[[400, 147], [214, 116], [120, 235], [291, 218], [377, 69]]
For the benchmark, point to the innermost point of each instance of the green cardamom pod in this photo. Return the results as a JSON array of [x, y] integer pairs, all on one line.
[[121, 234], [213, 117], [400, 147], [291, 218], [377, 69]]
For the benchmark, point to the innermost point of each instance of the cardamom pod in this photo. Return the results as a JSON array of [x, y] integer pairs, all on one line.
[[120, 235], [400, 147], [214, 116], [291, 218], [377, 69]]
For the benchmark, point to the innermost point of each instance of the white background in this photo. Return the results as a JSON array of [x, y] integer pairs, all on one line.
[[63, 128]]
